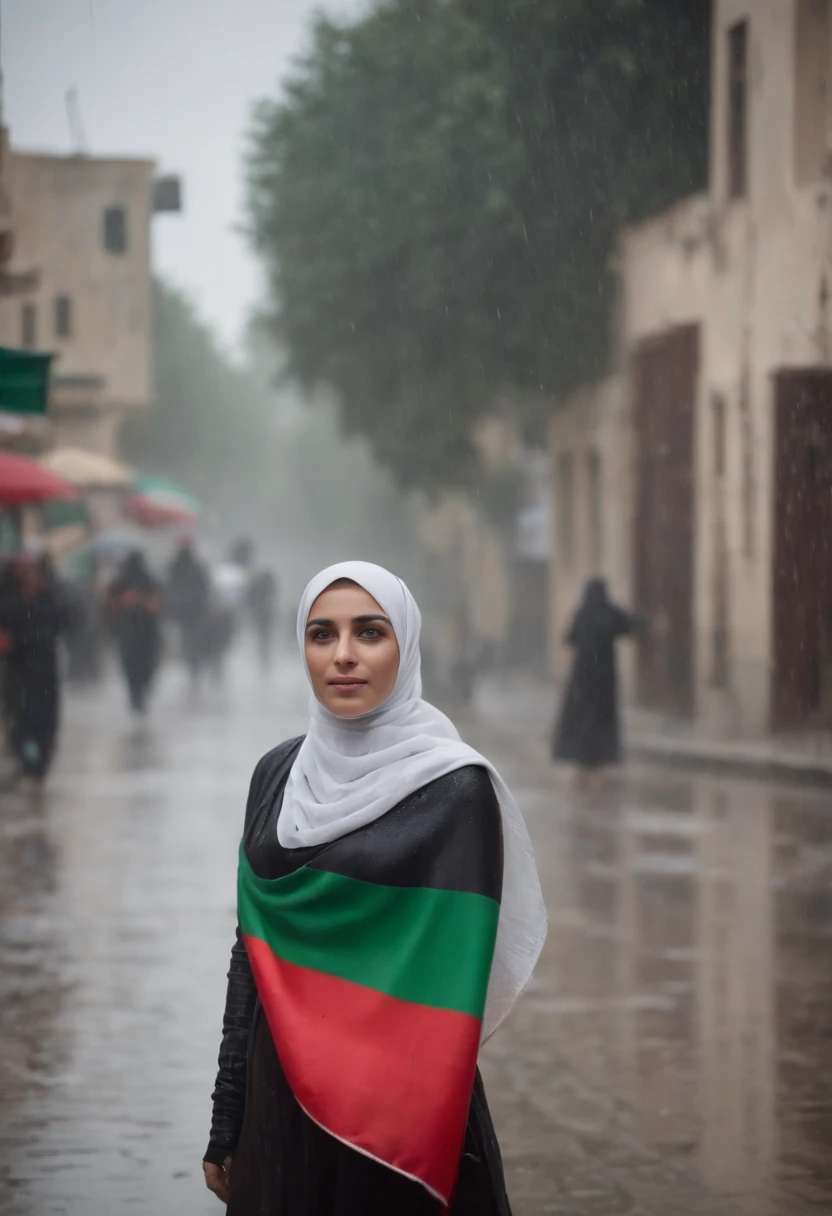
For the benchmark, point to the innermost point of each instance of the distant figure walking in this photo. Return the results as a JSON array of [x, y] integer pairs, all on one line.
[[188, 602], [261, 600], [588, 733], [33, 614], [135, 605]]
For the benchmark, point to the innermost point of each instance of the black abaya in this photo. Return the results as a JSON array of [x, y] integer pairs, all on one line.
[[284, 1164], [31, 686], [588, 732], [135, 599]]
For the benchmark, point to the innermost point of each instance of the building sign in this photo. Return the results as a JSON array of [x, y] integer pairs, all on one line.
[[24, 382]]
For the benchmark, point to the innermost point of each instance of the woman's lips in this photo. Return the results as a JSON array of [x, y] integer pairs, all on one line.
[[347, 685]]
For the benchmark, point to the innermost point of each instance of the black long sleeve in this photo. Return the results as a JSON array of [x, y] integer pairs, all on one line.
[[229, 1096]]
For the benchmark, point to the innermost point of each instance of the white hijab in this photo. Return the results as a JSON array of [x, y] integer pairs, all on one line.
[[350, 771]]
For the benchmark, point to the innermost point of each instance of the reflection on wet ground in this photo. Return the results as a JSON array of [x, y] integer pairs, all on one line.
[[673, 1053], [687, 992]]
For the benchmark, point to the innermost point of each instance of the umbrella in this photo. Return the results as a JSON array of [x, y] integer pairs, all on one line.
[[24, 481], [87, 470], [109, 547], [156, 503]]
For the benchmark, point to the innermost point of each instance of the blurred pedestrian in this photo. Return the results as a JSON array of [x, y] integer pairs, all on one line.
[[589, 733], [261, 601], [135, 605], [188, 602], [229, 581], [33, 615], [382, 859]]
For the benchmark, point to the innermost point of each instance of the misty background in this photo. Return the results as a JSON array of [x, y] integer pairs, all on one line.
[[177, 83]]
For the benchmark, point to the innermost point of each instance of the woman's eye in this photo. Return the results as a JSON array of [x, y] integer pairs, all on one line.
[[370, 632], [321, 635]]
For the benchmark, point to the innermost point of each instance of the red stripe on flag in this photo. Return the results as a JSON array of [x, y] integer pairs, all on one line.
[[391, 1078]]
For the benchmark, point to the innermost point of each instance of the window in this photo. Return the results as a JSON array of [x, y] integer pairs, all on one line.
[[595, 491], [115, 230], [566, 506], [63, 317], [811, 83], [738, 110], [29, 327]]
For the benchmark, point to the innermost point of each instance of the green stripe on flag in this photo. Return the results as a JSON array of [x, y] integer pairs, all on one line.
[[418, 944]]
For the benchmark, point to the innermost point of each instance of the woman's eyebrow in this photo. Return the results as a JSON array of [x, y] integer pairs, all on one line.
[[320, 622]]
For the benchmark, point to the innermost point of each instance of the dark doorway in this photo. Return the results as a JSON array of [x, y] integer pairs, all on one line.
[[802, 642], [666, 372]]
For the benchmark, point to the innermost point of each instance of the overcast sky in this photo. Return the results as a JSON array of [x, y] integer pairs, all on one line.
[[170, 79]]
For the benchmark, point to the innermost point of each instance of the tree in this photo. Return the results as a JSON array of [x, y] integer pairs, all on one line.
[[211, 416], [436, 198], [258, 460]]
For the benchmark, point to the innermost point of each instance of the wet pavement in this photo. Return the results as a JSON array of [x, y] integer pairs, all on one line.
[[673, 1053]]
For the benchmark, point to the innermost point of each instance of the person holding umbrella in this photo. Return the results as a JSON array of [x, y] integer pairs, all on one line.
[[33, 615]]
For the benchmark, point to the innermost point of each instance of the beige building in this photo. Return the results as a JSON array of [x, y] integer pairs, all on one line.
[[486, 555], [719, 472], [82, 240]]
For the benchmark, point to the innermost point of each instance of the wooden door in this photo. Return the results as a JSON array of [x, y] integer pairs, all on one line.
[[802, 641], [666, 372]]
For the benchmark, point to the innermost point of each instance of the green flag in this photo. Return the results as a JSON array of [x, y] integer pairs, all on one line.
[[24, 381]]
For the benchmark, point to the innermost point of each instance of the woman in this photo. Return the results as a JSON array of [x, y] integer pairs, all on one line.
[[389, 916], [588, 732], [135, 603], [33, 614], [188, 601]]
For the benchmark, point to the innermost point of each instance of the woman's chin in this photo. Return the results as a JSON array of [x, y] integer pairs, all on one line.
[[348, 707]]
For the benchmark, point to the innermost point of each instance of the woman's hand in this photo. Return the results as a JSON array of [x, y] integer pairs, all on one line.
[[216, 1178]]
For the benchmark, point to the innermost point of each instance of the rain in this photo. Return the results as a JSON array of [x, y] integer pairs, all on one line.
[[527, 303]]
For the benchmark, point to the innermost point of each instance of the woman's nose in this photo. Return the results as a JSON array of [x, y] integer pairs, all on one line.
[[344, 654]]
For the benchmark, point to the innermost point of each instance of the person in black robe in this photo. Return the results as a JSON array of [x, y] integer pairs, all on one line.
[[135, 601], [456, 832], [33, 613], [188, 602], [588, 733]]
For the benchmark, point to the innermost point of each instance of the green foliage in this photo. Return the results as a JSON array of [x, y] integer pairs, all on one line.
[[259, 461], [210, 417], [436, 198]]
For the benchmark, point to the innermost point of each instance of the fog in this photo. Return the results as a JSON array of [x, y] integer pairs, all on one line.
[[527, 303]]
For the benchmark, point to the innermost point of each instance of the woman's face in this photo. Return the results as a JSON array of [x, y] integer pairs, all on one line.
[[351, 651]]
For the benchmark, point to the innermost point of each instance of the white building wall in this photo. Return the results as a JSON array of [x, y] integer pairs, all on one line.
[[756, 274], [59, 205], [594, 423], [769, 259]]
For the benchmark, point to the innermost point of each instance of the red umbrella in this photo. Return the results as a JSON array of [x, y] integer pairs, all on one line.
[[22, 481]]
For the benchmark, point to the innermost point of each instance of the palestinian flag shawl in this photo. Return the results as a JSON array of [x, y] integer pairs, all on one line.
[[384, 960], [374, 988]]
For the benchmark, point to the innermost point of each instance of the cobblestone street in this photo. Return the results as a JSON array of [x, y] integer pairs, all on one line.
[[673, 1053]]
